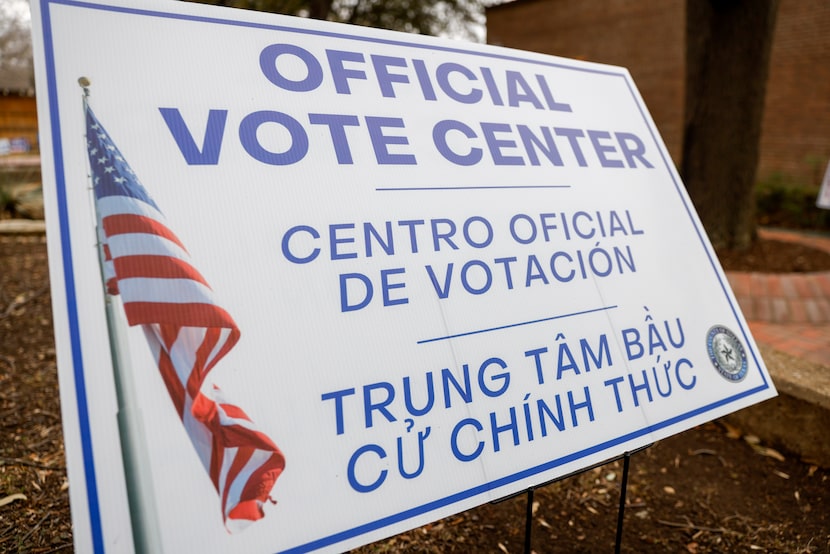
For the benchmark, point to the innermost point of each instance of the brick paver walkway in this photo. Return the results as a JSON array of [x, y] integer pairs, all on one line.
[[788, 311]]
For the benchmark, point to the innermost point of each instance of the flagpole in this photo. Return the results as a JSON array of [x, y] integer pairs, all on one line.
[[137, 470]]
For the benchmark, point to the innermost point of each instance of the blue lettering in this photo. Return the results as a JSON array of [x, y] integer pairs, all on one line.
[[356, 485], [339, 73], [345, 306], [386, 286], [286, 251], [212, 143], [495, 145], [337, 127], [337, 396], [268, 64], [519, 91], [248, 136], [385, 79], [454, 440], [634, 150], [443, 75], [602, 149], [380, 142], [439, 137]]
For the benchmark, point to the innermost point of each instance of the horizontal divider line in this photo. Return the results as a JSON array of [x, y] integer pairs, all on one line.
[[496, 187], [509, 325]]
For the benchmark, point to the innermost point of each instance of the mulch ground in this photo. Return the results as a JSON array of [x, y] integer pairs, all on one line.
[[773, 256], [714, 488]]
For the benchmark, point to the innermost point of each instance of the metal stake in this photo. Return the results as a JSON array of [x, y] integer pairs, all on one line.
[[528, 520], [621, 511]]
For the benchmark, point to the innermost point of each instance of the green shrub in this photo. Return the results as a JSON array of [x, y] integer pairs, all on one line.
[[16, 183], [8, 203], [781, 202]]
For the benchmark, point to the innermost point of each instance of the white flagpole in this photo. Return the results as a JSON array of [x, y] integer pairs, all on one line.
[[137, 471]]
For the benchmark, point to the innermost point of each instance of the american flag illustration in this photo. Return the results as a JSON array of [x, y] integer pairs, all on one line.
[[187, 331]]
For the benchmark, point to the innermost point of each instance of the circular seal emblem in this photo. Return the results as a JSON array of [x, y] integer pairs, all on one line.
[[727, 353]]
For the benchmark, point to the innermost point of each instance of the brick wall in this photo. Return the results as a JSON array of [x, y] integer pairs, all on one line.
[[648, 37], [796, 125]]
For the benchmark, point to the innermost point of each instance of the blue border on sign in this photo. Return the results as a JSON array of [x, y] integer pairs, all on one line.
[[71, 300], [69, 285]]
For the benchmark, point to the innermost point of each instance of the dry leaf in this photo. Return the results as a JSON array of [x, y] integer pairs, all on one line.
[[732, 432], [11, 498], [752, 439], [503, 548], [781, 474], [668, 490], [769, 452]]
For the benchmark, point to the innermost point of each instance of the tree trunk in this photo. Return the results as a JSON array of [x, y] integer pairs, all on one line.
[[728, 46]]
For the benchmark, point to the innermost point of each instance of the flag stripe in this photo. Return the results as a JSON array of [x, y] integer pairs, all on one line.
[[136, 244], [122, 205], [164, 291], [156, 267], [232, 469], [200, 434], [233, 413], [200, 368], [268, 462], [123, 224], [242, 472], [172, 382]]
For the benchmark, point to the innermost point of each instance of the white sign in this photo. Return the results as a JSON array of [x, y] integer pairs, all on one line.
[[823, 200], [424, 274]]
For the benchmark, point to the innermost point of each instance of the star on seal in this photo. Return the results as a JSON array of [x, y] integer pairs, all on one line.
[[726, 353]]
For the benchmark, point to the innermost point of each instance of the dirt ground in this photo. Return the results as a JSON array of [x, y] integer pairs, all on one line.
[[711, 489]]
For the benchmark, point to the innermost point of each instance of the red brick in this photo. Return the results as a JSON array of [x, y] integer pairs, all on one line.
[[777, 286], [796, 312], [823, 306], [758, 284], [745, 303], [802, 286], [823, 282], [762, 309], [739, 281], [788, 289], [780, 310]]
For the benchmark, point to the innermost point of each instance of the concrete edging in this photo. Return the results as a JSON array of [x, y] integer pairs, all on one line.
[[797, 420], [22, 226]]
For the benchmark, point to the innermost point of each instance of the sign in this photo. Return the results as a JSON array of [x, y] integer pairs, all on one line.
[[823, 200], [317, 284]]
